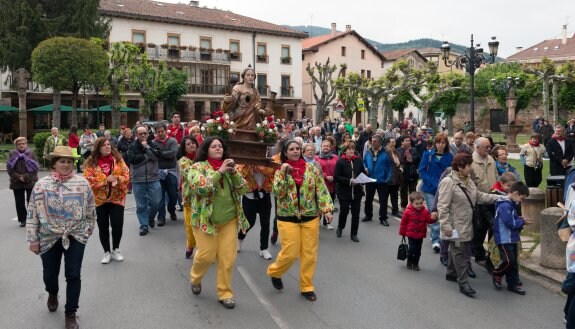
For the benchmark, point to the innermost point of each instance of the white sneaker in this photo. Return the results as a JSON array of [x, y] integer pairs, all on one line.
[[117, 255], [436, 247], [328, 226], [265, 254], [107, 257], [240, 245]]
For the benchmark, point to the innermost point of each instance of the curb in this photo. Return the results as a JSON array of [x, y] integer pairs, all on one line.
[[541, 276]]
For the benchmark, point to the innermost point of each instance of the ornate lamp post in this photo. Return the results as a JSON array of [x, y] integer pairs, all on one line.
[[472, 60]]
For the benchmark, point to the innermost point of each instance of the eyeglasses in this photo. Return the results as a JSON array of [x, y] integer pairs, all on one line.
[[487, 147], [142, 134]]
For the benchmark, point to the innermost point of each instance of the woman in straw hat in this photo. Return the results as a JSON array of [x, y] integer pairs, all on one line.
[[61, 217]]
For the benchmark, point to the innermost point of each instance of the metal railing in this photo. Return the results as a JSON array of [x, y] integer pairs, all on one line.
[[187, 55]]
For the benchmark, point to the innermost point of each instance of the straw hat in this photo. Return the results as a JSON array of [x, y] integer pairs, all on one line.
[[62, 152]]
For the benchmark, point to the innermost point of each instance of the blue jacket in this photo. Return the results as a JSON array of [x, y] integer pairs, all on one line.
[[507, 223], [378, 167], [430, 169]]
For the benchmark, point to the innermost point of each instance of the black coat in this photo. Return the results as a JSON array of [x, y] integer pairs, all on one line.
[[343, 174], [409, 168], [556, 156]]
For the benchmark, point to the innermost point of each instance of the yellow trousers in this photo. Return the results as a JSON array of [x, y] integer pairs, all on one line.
[[220, 247], [190, 240], [298, 240]]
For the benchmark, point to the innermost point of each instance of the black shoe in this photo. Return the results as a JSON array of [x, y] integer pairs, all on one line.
[[416, 266], [517, 289], [354, 238], [471, 273], [409, 264], [196, 288], [274, 238], [143, 231], [467, 290], [443, 260], [366, 219], [173, 216], [519, 283], [228, 303], [338, 232], [396, 214], [152, 222], [277, 283], [52, 303], [22, 224], [161, 222], [450, 277], [384, 222], [309, 295], [496, 281], [189, 253]]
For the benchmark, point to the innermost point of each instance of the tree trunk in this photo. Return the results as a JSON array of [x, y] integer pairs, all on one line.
[[373, 108], [74, 109], [424, 110], [545, 98], [555, 106], [319, 113], [450, 125], [57, 100], [115, 105]]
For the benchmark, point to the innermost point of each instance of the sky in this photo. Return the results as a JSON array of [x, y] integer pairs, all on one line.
[[515, 23]]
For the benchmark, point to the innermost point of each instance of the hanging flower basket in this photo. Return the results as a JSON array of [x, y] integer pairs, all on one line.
[[165, 46], [151, 45]]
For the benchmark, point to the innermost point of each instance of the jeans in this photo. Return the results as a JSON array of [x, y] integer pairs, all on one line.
[[110, 214], [169, 186], [22, 197], [369, 194], [253, 207], [147, 201], [73, 257], [434, 228]]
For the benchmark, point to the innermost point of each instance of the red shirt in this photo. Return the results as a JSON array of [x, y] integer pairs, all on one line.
[[176, 132], [73, 141]]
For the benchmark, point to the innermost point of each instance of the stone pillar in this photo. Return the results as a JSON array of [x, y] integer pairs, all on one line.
[[189, 112], [532, 207], [552, 249], [207, 110], [159, 115], [22, 76], [297, 115]]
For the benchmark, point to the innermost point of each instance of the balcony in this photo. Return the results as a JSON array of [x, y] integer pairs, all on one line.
[[262, 58], [285, 60], [184, 54], [236, 56], [287, 91], [207, 89], [264, 91]]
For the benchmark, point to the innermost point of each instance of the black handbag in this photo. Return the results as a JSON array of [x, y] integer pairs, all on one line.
[[402, 250]]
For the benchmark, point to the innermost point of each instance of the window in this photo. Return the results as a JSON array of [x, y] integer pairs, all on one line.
[[235, 54], [205, 49], [138, 36], [363, 54], [362, 73], [173, 40], [369, 74], [287, 89], [343, 69], [286, 58], [343, 51], [207, 78], [234, 77], [263, 84], [262, 54]]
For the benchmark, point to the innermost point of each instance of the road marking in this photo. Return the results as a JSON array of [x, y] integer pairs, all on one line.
[[15, 219], [272, 311]]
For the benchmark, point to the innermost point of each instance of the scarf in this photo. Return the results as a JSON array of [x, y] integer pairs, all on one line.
[[464, 179], [407, 155], [327, 155], [31, 165], [158, 140], [534, 144], [394, 157], [106, 163], [61, 178], [216, 163], [191, 156], [353, 157], [558, 138], [309, 160], [298, 170], [502, 168]]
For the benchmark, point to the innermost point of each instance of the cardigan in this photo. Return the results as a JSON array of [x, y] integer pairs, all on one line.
[[104, 192]]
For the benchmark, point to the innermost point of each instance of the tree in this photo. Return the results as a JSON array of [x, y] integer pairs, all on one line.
[[326, 85], [148, 80], [544, 73], [400, 102], [446, 101], [175, 85], [566, 94], [69, 64], [350, 96]]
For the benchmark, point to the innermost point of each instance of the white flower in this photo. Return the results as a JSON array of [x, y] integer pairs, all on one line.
[[226, 117], [271, 130], [218, 119], [210, 121], [258, 125], [232, 123], [203, 129], [276, 128], [220, 128], [231, 131]]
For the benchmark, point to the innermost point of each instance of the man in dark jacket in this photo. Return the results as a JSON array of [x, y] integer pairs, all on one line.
[[560, 151], [409, 159], [363, 138], [168, 166], [145, 177]]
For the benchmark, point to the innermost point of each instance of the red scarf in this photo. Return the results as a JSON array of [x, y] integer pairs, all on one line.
[[534, 144], [298, 170], [191, 156], [216, 163], [157, 139], [106, 163], [353, 157], [558, 138]]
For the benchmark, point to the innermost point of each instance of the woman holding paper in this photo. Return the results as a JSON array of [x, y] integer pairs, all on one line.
[[349, 193], [458, 196]]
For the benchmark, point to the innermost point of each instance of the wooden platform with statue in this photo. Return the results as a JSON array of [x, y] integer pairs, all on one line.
[[247, 127]]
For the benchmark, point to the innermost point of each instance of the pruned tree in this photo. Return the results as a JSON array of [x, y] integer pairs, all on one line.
[[175, 86], [326, 84], [350, 96], [148, 80], [69, 64]]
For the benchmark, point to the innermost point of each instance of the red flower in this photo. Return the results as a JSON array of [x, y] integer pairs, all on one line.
[[272, 126], [207, 117], [218, 114], [270, 118], [222, 120]]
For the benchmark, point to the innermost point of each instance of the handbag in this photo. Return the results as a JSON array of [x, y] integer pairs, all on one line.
[[402, 250]]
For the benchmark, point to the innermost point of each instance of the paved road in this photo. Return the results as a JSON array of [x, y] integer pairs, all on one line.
[[358, 286]]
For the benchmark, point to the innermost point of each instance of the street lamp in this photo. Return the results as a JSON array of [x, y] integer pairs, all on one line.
[[472, 59]]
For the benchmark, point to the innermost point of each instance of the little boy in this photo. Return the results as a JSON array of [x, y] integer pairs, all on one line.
[[414, 225], [506, 229]]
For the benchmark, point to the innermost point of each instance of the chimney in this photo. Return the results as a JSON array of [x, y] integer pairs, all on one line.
[[333, 30], [564, 41], [194, 3], [518, 49], [347, 28]]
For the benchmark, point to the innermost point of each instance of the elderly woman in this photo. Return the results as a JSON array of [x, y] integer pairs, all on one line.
[[187, 155], [396, 172], [531, 156], [458, 197], [499, 153], [347, 168], [23, 169], [214, 191], [109, 177], [61, 217], [301, 197], [327, 160]]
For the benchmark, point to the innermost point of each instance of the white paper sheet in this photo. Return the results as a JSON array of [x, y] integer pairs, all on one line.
[[454, 235], [363, 179]]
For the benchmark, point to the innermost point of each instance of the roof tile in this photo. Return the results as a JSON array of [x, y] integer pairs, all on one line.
[[553, 48]]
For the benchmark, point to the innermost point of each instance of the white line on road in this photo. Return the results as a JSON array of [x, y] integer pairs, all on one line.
[[273, 312]]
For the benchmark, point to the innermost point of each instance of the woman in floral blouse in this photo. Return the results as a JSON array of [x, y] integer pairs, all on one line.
[[301, 197], [109, 177], [215, 190], [61, 217]]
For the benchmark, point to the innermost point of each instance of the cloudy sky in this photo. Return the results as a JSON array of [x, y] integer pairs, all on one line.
[[514, 22]]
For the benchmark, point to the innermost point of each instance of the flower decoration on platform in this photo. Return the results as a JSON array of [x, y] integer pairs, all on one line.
[[219, 124], [267, 130]]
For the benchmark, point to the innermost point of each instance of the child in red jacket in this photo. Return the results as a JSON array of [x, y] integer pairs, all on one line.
[[414, 225]]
